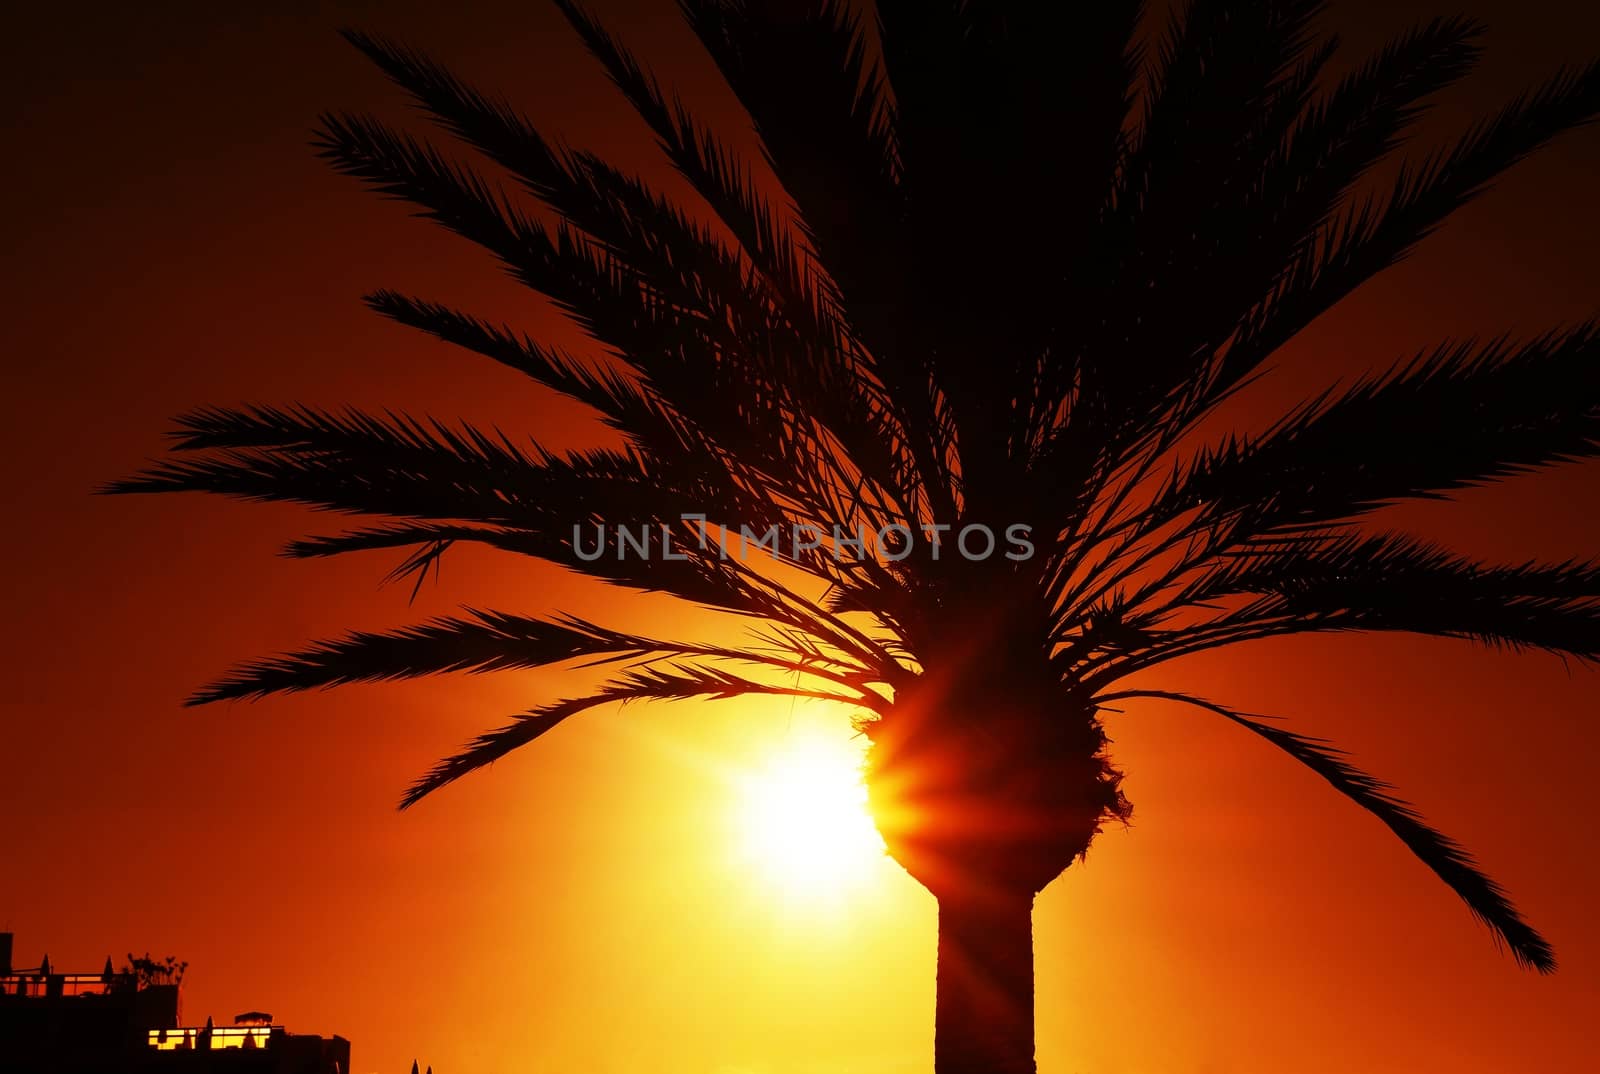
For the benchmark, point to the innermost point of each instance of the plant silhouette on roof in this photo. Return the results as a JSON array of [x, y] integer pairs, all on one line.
[[995, 264]]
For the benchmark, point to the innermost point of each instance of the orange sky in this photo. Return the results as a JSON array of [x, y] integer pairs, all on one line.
[[171, 242]]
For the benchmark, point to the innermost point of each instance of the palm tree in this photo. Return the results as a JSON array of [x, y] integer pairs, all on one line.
[[996, 269]]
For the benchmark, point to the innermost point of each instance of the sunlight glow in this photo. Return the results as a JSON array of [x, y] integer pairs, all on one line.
[[804, 818]]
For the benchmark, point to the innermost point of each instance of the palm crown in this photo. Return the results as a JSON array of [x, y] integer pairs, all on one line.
[[1012, 264]]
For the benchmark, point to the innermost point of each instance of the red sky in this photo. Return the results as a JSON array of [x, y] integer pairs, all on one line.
[[172, 242]]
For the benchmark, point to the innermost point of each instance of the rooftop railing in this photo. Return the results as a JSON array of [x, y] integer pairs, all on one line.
[[64, 984]]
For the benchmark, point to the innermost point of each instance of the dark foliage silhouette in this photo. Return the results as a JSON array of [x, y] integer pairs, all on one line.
[[145, 972], [1013, 262]]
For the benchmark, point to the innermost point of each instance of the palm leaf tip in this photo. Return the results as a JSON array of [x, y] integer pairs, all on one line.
[[493, 745]]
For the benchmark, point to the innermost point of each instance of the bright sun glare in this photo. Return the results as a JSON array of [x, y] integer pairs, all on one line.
[[804, 814]]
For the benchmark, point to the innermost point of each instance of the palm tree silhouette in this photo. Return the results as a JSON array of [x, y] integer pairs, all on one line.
[[1016, 266]]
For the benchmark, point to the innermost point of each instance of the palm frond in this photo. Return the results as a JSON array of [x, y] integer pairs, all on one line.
[[489, 641], [1462, 415], [398, 465], [1306, 154], [682, 260], [712, 372], [1394, 582], [809, 296], [1380, 232], [677, 683], [1230, 80], [1444, 856]]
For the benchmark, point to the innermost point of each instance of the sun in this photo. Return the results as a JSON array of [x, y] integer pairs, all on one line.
[[803, 812]]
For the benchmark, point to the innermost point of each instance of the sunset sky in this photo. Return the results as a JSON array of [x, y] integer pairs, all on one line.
[[604, 901]]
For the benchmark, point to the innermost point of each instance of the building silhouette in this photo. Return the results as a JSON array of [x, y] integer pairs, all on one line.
[[115, 1022]]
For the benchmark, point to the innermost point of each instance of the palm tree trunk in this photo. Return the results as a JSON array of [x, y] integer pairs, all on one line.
[[983, 1018]]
